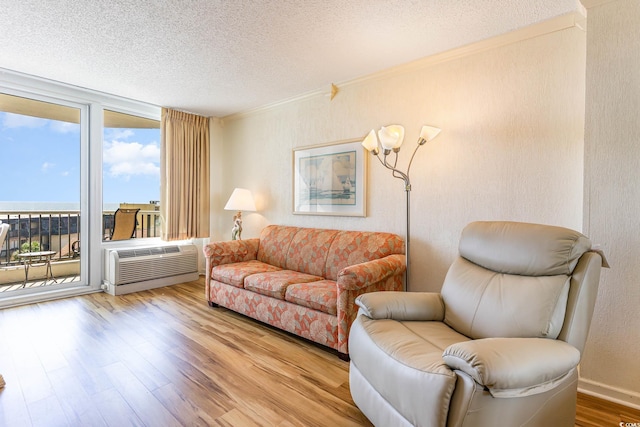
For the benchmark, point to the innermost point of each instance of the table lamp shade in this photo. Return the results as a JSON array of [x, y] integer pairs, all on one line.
[[241, 200]]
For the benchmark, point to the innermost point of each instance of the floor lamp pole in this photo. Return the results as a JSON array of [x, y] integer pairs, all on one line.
[[408, 260], [407, 188]]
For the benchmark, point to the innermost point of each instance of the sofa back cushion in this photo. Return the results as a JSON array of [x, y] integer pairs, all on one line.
[[308, 250], [274, 244], [353, 247], [511, 279], [323, 252]]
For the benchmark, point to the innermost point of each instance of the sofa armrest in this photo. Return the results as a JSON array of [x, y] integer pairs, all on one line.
[[359, 276], [514, 367], [421, 306], [218, 253], [383, 274]]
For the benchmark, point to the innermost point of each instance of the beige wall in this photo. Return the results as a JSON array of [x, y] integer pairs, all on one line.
[[612, 196], [512, 148]]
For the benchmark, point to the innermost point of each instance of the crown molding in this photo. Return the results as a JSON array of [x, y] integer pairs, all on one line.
[[559, 23], [590, 4]]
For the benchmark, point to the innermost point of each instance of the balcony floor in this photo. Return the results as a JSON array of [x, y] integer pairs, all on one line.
[[39, 283]]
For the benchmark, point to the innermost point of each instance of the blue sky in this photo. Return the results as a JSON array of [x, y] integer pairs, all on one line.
[[40, 161]]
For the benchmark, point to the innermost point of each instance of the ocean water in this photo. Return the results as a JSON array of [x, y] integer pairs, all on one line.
[[47, 206]]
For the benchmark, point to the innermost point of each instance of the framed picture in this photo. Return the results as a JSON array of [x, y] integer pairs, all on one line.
[[330, 179]]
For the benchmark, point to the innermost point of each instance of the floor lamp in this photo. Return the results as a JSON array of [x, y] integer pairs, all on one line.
[[390, 139]]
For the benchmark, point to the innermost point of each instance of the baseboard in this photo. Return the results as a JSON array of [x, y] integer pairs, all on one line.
[[607, 392]]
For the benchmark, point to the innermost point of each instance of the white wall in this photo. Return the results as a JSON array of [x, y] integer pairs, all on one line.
[[612, 196], [511, 146]]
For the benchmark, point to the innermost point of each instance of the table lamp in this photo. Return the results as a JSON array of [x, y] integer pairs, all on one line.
[[241, 200]]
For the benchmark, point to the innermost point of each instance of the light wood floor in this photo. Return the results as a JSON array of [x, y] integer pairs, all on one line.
[[164, 357]]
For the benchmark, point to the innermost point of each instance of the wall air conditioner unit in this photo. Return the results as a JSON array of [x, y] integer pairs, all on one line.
[[137, 269]]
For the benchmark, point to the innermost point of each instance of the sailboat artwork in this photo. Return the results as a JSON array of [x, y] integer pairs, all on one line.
[[328, 179]]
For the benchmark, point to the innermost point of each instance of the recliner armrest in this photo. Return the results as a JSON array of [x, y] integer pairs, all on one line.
[[514, 367], [424, 306]]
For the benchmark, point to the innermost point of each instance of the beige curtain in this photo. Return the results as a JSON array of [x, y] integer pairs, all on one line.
[[184, 170]]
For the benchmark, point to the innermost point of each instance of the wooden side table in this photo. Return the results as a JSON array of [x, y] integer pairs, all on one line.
[[37, 259]]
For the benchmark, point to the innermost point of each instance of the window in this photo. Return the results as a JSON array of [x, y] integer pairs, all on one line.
[[131, 171]]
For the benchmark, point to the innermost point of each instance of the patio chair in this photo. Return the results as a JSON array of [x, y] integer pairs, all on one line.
[[75, 249], [4, 230], [124, 224]]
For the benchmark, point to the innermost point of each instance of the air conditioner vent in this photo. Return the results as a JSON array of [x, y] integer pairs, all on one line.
[[171, 249], [138, 252], [158, 264], [126, 253]]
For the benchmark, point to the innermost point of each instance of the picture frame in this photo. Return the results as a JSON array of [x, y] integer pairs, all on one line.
[[330, 179]]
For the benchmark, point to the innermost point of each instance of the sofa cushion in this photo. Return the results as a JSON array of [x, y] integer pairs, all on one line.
[[353, 247], [308, 250], [311, 324], [321, 295], [274, 244], [274, 283], [234, 274]]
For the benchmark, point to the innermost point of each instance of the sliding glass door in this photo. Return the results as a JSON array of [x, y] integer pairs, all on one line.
[[43, 147]]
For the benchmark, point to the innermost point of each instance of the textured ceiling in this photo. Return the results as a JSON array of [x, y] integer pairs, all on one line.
[[218, 57]]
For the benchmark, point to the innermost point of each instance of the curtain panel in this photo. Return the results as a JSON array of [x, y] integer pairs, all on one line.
[[184, 170]]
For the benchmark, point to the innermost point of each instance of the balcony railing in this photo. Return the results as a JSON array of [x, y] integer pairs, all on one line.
[[57, 231]]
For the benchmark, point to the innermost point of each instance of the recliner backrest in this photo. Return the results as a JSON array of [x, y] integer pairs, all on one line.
[[512, 280]]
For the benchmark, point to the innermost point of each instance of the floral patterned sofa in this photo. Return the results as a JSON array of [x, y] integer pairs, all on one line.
[[304, 280]]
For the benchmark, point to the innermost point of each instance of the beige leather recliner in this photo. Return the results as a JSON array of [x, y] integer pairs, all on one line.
[[498, 346]]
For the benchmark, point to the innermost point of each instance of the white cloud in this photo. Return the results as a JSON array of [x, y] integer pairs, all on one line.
[[46, 166], [10, 120], [114, 134], [64, 127], [125, 159]]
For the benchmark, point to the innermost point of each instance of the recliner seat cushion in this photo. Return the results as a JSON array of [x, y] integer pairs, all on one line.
[[403, 362]]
